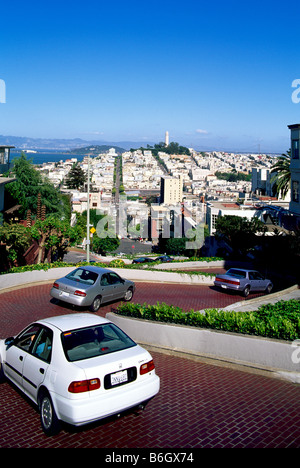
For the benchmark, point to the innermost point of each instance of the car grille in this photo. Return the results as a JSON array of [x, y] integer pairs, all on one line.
[[131, 376]]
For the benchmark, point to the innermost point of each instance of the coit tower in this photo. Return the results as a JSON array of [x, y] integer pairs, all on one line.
[[167, 139]]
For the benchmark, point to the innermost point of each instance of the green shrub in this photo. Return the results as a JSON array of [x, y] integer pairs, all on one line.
[[117, 263], [279, 321]]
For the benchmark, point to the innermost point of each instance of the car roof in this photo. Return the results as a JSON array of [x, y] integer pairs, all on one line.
[[241, 269], [96, 269], [73, 321]]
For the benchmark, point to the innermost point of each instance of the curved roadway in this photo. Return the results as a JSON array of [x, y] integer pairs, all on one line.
[[201, 404]]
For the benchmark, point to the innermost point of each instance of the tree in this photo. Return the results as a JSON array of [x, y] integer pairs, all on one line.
[[29, 183], [76, 177], [239, 233], [55, 234], [282, 174], [17, 239], [102, 245]]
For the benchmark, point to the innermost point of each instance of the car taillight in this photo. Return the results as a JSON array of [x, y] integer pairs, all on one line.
[[222, 280], [84, 386], [79, 293], [56, 285], [147, 367]]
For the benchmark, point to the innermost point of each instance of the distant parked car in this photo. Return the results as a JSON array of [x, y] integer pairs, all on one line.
[[143, 260], [164, 258], [91, 286], [245, 281], [78, 368]]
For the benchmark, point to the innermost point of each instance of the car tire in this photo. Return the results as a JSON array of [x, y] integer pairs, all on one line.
[[49, 420], [2, 375], [96, 304], [269, 288], [246, 291], [128, 295]]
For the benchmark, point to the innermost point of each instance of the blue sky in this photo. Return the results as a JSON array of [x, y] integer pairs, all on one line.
[[216, 75]]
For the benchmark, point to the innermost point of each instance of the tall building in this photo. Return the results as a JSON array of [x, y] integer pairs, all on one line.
[[167, 138], [295, 169], [171, 190]]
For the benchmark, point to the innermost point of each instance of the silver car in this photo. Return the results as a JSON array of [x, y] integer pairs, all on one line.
[[91, 286], [245, 281]]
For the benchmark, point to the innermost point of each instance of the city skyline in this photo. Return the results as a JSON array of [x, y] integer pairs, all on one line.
[[219, 76]]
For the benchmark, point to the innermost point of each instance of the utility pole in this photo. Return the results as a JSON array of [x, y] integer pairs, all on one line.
[[88, 214]]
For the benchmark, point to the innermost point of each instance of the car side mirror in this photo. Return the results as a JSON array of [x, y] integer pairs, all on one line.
[[9, 341]]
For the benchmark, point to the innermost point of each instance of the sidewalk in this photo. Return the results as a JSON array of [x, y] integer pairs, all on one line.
[[253, 304]]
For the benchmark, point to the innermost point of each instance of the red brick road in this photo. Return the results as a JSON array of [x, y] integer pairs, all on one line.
[[200, 405]]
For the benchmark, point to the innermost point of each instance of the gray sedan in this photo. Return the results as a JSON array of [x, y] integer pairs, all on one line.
[[239, 279], [92, 286]]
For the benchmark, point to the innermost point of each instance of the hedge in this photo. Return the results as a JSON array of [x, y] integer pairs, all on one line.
[[280, 321]]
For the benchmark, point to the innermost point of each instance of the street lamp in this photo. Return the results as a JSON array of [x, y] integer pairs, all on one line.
[[88, 214]]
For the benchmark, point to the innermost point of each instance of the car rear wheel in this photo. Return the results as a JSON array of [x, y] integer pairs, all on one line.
[[246, 291], [49, 421], [128, 295], [96, 304]]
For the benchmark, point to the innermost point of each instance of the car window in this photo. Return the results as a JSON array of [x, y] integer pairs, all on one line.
[[83, 276], [95, 341], [113, 278], [26, 339], [236, 273], [104, 280], [43, 345]]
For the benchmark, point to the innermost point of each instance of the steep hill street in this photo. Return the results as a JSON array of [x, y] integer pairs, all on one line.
[[201, 404]]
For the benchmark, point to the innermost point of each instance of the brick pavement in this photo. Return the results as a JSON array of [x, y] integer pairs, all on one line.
[[200, 405]]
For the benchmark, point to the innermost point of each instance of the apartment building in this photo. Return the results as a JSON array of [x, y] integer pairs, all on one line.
[[295, 170], [171, 190]]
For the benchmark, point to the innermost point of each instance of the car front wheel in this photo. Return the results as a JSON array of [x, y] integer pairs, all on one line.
[[269, 288], [49, 421], [2, 376]]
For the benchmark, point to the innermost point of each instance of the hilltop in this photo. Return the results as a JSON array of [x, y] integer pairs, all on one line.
[[97, 149]]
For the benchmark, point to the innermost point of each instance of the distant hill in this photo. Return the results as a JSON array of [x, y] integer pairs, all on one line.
[[61, 145], [96, 149]]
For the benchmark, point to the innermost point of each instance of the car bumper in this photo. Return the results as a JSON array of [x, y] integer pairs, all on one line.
[[113, 401], [69, 298], [221, 285]]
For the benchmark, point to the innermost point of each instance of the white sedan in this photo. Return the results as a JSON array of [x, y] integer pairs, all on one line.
[[78, 368]]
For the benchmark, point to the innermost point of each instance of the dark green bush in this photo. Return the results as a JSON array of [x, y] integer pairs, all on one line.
[[279, 321]]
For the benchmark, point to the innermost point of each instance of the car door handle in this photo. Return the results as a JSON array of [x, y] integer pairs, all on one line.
[[42, 371], [21, 358]]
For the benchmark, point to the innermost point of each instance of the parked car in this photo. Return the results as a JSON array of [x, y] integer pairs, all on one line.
[[78, 368], [245, 281], [143, 260], [164, 258], [91, 286]]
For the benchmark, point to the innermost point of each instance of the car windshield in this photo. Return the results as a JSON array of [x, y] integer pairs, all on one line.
[[94, 341], [236, 273], [83, 276]]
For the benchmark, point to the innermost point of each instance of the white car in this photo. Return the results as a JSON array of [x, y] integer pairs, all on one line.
[[78, 368]]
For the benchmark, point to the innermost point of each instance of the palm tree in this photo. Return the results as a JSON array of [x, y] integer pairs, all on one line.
[[282, 176]]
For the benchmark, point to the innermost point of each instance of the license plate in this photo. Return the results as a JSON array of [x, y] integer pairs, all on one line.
[[223, 286], [64, 294], [118, 377]]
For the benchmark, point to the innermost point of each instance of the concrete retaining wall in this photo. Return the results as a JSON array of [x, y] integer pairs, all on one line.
[[272, 355], [29, 277]]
